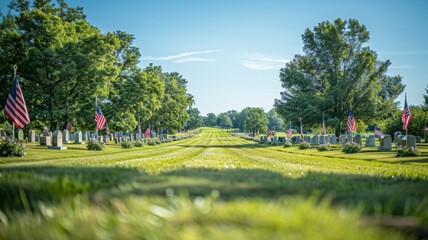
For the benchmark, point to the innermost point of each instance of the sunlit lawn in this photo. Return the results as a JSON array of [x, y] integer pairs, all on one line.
[[212, 186]]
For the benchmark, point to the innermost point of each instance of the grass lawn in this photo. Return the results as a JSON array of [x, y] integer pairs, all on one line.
[[212, 186]]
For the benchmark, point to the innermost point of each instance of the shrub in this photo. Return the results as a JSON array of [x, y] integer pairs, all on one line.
[[351, 147], [288, 144], [407, 152], [127, 144], [304, 145], [151, 143], [95, 145], [12, 148], [324, 147], [158, 142], [139, 144]]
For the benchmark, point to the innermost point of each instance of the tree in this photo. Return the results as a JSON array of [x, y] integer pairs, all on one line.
[[195, 119], [416, 126], [224, 121], [241, 118], [275, 121], [233, 115], [63, 61], [256, 120], [335, 71], [176, 100], [210, 120]]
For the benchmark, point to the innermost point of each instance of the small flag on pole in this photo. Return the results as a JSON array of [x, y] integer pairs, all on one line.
[[289, 132], [15, 108], [107, 129], [147, 133], [139, 127], [407, 115], [268, 133], [351, 122], [377, 132], [323, 130], [100, 120]]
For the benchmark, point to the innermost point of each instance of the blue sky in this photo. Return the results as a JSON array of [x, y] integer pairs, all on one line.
[[231, 51]]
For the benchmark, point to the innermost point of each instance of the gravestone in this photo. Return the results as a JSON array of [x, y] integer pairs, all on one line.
[[131, 137], [370, 141], [357, 139], [342, 139], [385, 143], [315, 139], [396, 136], [46, 133], [418, 139], [20, 135], [84, 138], [100, 139], [45, 140], [323, 139], [411, 141], [57, 141], [350, 138], [78, 138], [31, 136], [37, 138], [333, 139], [65, 136]]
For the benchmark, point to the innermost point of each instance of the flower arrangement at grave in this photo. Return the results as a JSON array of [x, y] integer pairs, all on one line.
[[139, 144], [127, 144], [351, 147], [95, 145], [407, 152], [324, 147], [10, 148], [304, 145], [288, 144], [151, 142]]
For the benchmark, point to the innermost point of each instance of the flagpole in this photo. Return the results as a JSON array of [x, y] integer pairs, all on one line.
[[96, 128], [352, 135], [14, 107]]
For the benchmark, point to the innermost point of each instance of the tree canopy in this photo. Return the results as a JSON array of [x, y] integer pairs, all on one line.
[[64, 63], [335, 71]]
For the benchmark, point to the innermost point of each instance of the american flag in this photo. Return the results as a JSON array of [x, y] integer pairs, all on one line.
[[100, 120], [289, 132], [351, 122], [15, 108], [426, 129], [147, 133], [323, 130], [268, 133], [377, 132], [69, 126], [407, 115]]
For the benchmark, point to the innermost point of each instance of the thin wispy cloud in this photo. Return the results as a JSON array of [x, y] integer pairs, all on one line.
[[403, 66], [422, 52], [185, 57], [263, 62]]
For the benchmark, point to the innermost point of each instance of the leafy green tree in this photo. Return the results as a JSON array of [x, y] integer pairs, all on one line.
[[62, 60], [224, 121], [256, 120], [241, 118], [275, 121], [416, 126], [210, 120], [176, 100], [336, 70], [195, 119], [233, 115]]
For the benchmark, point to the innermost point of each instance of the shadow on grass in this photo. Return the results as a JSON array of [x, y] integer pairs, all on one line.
[[375, 195]]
